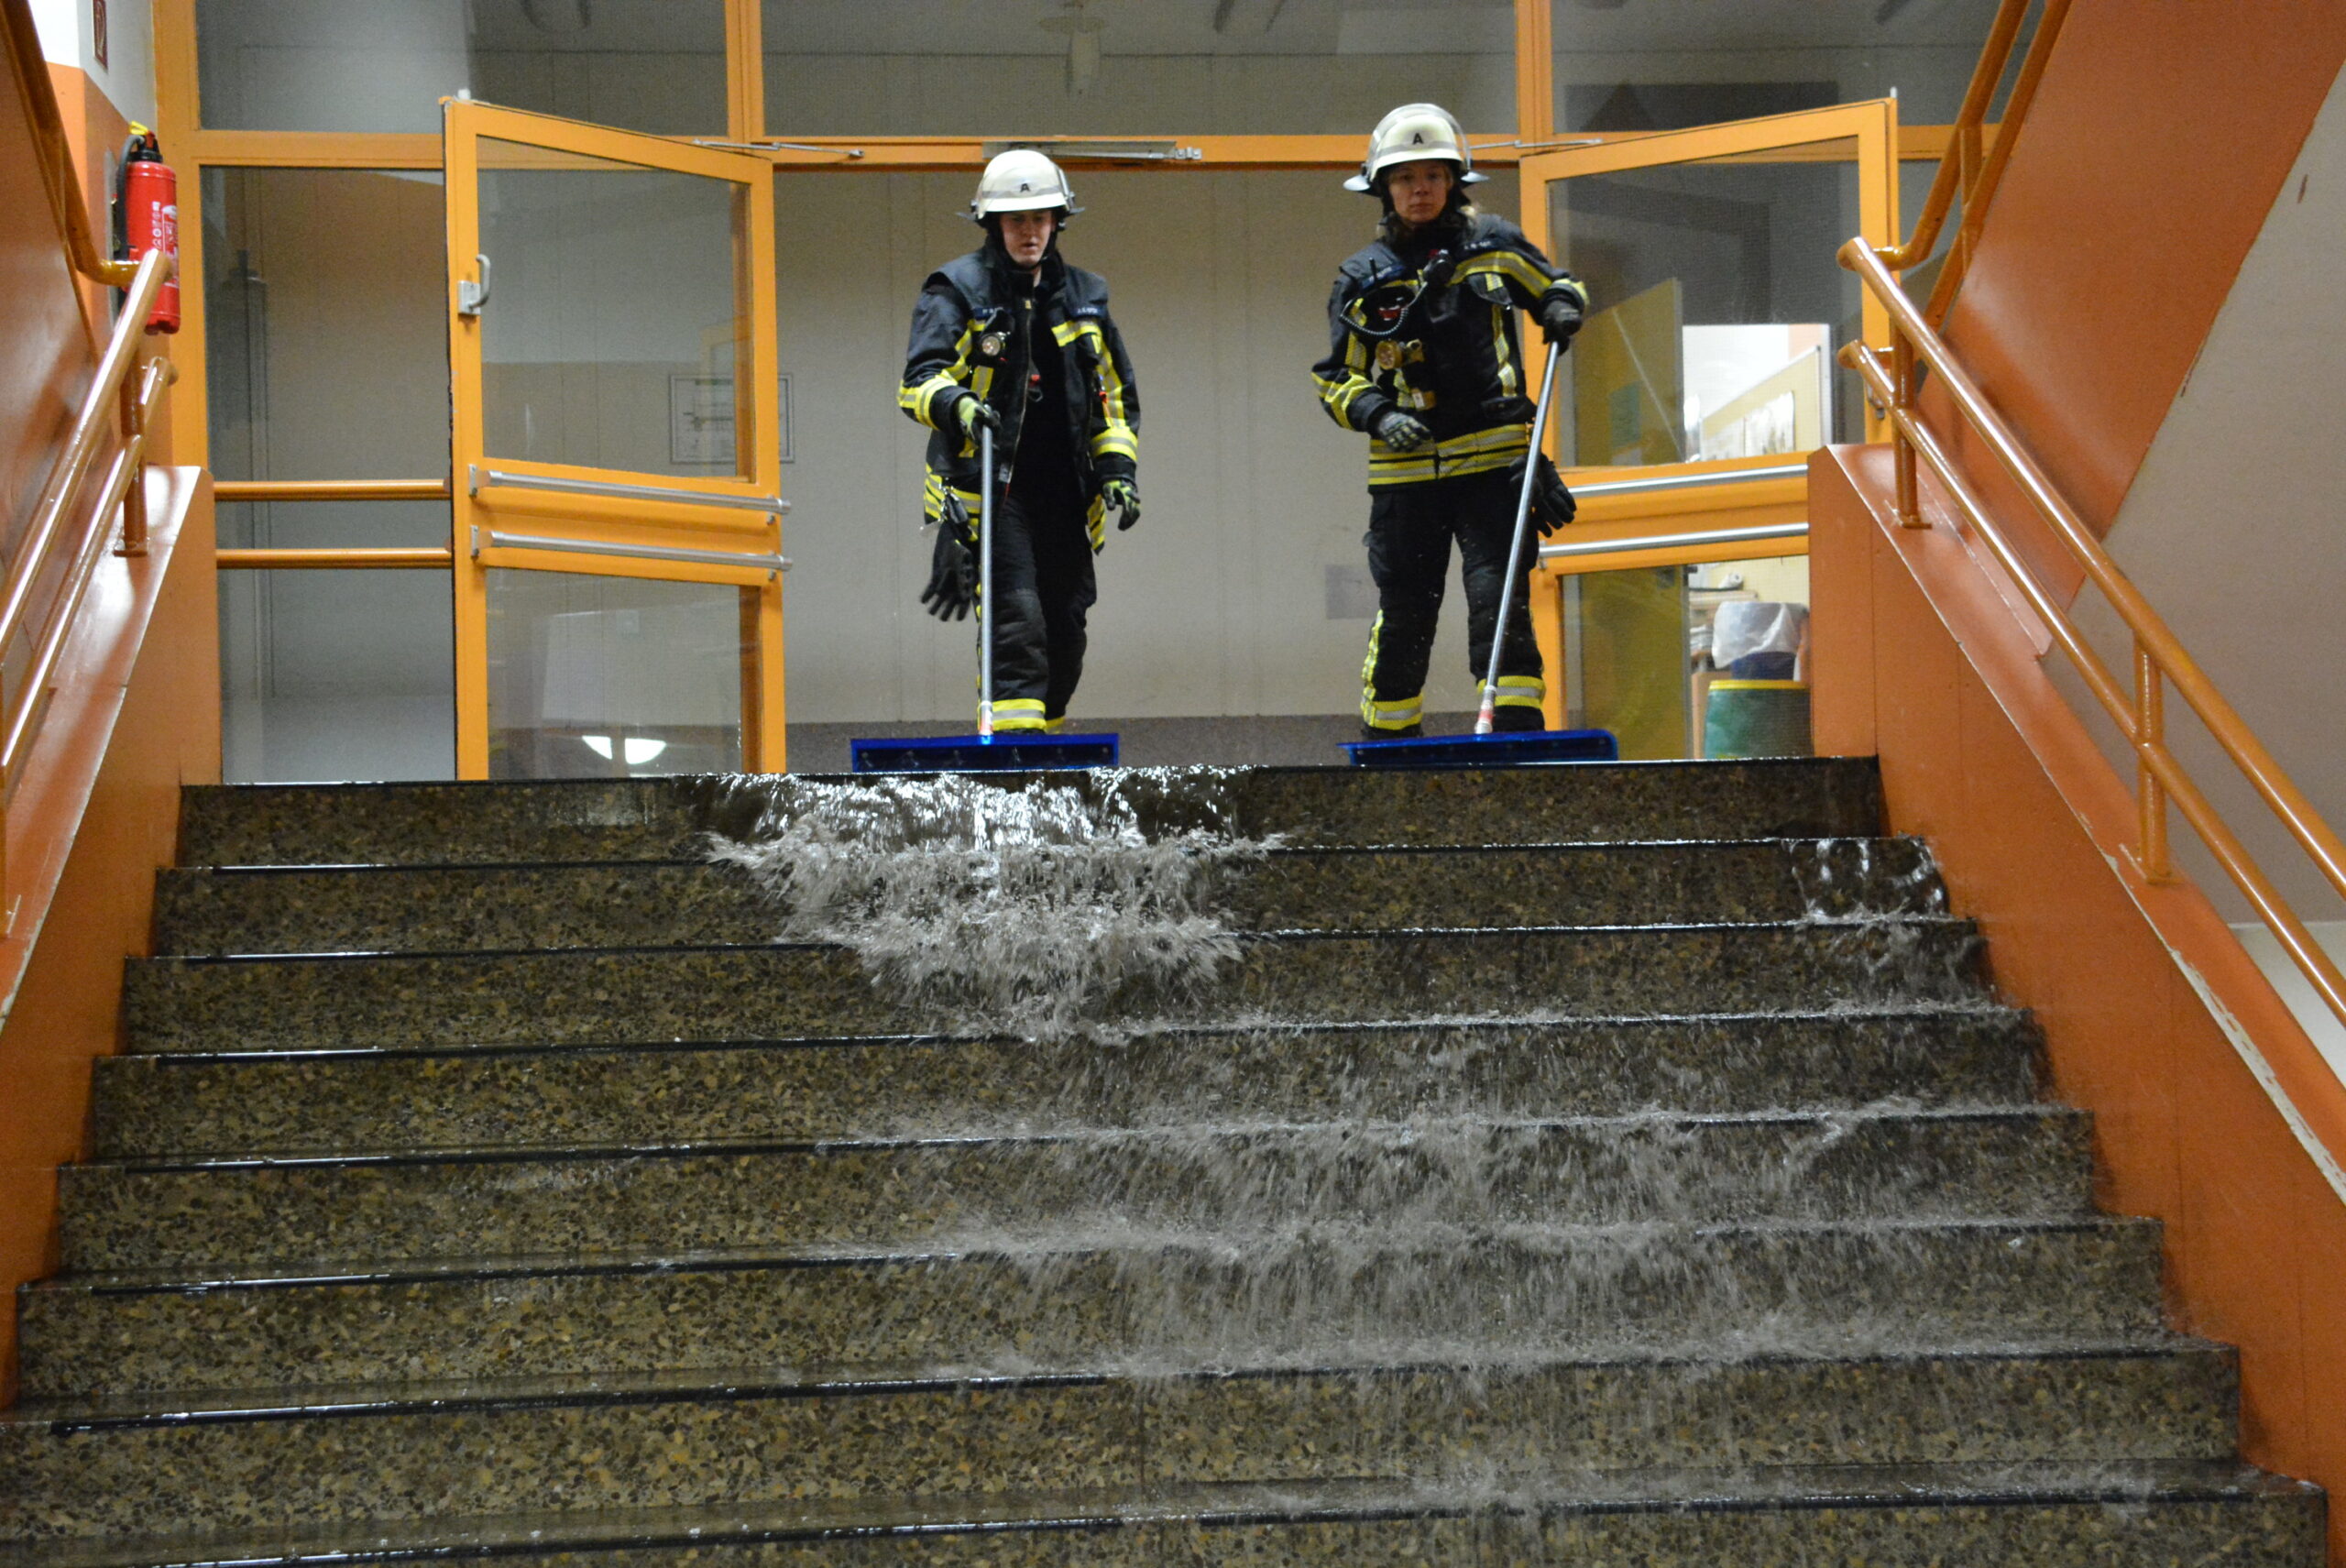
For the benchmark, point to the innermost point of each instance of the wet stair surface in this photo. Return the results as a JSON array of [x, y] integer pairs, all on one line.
[[1592, 1165]]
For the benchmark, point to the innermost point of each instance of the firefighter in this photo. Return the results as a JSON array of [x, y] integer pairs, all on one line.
[[1427, 361], [1012, 339]]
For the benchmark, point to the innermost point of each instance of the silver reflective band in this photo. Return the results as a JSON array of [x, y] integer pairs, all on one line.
[[480, 477], [1672, 541], [1690, 481], [499, 540]]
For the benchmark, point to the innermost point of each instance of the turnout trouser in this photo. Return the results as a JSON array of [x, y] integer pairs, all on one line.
[[1043, 586], [1409, 530]]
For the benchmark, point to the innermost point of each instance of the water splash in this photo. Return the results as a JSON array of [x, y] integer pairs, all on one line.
[[1034, 907]]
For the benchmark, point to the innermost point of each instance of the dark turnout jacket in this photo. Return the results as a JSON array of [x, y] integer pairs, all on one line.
[[974, 331], [1429, 328]]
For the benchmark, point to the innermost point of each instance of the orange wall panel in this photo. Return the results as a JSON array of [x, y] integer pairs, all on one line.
[[2157, 145], [96, 814], [1979, 753]]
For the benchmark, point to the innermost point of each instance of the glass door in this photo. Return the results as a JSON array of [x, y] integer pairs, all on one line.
[[617, 455], [1703, 378]]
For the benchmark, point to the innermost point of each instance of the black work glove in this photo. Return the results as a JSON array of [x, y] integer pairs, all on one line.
[[952, 589], [973, 410], [1559, 318], [1125, 496], [1552, 504], [1399, 432]]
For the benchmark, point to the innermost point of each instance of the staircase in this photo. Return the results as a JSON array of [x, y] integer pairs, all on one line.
[[1580, 1166]]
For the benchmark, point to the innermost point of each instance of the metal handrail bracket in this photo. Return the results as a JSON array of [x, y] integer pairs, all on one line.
[[480, 478], [497, 539]]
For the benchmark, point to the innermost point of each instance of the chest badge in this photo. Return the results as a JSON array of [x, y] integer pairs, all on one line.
[[992, 345]]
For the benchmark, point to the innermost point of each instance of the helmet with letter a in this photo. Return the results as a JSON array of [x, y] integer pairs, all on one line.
[[1022, 180], [1409, 133]]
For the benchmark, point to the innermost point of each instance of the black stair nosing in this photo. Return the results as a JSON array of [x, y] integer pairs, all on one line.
[[2044, 1113], [727, 1386], [1986, 1010], [261, 870], [179, 1281], [1923, 921], [1208, 1505]]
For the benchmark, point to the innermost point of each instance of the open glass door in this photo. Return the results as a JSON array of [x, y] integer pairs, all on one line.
[[1703, 378], [617, 455]]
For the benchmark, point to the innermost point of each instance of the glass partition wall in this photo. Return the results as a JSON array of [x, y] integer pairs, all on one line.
[[1200, 132]]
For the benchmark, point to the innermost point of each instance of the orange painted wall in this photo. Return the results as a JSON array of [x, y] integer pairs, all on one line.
[[96, 814], [1979, 753], [2157, 144]]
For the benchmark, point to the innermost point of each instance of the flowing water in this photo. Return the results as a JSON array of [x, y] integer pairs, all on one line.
[[1474, 1193]]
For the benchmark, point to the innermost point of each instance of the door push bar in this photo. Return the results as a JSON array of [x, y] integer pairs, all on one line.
[[480, 477], [498, 540]]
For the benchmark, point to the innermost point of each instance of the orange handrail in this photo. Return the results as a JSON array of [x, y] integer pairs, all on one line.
[[110, 389], [1970, 167], [2160, 660], [55, 154]]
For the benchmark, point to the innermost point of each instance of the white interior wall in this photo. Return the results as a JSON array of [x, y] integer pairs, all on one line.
[[2231, 526], [1221, 602]]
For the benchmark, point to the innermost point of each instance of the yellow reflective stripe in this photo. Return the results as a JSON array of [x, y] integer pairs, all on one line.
[[1521, 691], [1054, 726], [1019, 713], [1096, 523], [932, 498], [1339, 394], [1477, 452], [1510, 266], [1510, 382], [920, 398], [1390, 714]]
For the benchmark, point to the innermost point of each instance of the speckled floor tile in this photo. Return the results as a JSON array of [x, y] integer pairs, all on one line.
[[363, 1102], [1982, 1516], [1654, 1290], [468, 908], [589, 997], [664, 1446], [1887, 1164], [664, 818]]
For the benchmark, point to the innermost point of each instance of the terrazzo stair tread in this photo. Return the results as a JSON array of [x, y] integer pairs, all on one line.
[[360, 1102], [664, 818], [615, 995], [657, 903], [2211, 1515], [1821, 1288], [1888, 1164], [416, 1450]]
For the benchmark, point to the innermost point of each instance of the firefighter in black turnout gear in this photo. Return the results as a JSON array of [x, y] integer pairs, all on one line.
[[1012, 338], [1426, 360]]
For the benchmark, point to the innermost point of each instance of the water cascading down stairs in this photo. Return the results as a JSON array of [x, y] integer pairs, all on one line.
[[1583, 1165]]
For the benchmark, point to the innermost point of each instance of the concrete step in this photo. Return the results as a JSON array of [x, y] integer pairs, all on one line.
[[366, 1102], [668, 902], [614, 996], [411, 1452], [594, 819], [1664, 1289], [1995, 1516], [975, 1193]]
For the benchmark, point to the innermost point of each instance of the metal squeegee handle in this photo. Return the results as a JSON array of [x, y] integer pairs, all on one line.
[[985, 584], [1486, 719]]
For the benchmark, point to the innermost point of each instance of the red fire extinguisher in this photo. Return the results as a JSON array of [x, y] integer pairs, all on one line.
[[146, 217]]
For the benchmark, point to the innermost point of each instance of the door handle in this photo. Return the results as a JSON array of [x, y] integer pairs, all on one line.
[[472, 296]]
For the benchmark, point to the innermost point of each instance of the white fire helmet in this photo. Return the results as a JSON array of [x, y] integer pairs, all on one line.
[[1409, 133], [1022, 180]]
